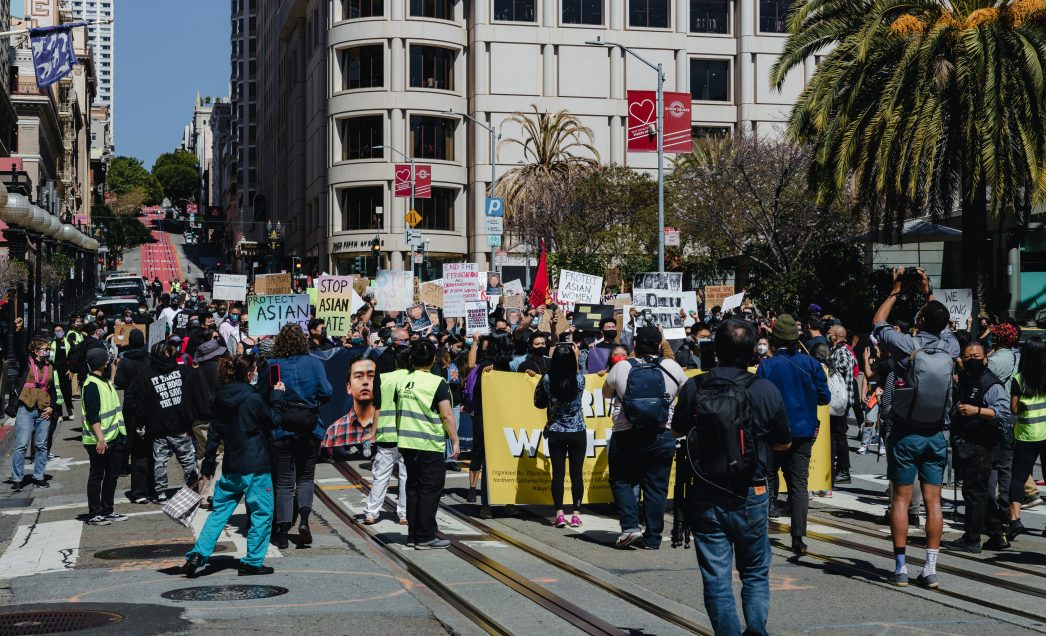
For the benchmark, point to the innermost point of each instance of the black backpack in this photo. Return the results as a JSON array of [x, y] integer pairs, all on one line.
[[721, 443], [647, 403]]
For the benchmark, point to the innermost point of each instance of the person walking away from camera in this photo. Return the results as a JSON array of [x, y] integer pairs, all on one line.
[[424, 417], [1002, 361], [732, 421], [803, 386], [296, 440], [104, 437], [560, 391], [1029, 403], [979, 423], [641, 447], [38, 397], [134, 363], [918, 414], [208, 355], [387, 457], [240, 422], [156, 287], [841, 363]]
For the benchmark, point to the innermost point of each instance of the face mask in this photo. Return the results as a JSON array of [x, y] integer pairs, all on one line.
[[59, 335], [235, 318], [323, 333], [973, 366], [540, 351], [615, 359], [468, 342], [609, 334], [143, 310], [357, 342], [44, 355], [762, 349], [253, 379]]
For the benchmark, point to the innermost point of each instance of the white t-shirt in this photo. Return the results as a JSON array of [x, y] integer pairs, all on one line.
[[167, 315], [618, 379]]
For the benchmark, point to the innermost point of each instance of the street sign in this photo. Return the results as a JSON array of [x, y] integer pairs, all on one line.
[[495, 225], [412, 218], [494, 207], [501, 257], [671, 237], [419, 258], [414, 238], [494, 240]]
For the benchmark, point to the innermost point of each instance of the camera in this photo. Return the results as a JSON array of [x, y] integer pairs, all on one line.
[[911, 277]]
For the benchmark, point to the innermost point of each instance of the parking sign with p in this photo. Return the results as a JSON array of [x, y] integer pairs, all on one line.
[[495, 206]]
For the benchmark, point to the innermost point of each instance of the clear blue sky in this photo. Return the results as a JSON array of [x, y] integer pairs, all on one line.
[[166, 50]]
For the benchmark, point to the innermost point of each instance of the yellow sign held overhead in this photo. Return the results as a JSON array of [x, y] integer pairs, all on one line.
[[412, 218]]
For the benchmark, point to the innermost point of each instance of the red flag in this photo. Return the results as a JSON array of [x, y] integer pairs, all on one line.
[[539, 292]]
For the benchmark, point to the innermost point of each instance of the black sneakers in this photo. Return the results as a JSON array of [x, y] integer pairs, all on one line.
[[193, 563], [253, 570], [962, 545], [997, 542]]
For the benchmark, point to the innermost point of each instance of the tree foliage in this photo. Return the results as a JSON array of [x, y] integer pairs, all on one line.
[[127, 173], [178, 173], [120, 231]]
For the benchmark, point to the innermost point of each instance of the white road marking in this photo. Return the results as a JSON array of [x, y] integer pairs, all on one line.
[[43, 547]]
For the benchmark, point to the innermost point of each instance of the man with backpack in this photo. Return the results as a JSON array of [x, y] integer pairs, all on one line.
[[919, 400], [641, 446], [731, 421]]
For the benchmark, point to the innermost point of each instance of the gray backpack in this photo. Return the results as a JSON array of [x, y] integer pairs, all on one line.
[[925, 395]]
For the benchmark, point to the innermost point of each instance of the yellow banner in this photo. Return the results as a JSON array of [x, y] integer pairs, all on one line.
[[518, 468]]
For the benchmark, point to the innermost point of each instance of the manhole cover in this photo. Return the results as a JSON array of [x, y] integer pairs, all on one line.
[[155, 551], [224, 593], [54, 621]]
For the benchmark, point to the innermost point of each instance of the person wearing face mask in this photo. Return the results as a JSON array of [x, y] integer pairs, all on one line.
[[536, 362], [61, 347], [979, 423], [133, 363], [37, 398], [318, 340], [599, 352], [762, 348], [397, 337], [229, 329], [688, 355]]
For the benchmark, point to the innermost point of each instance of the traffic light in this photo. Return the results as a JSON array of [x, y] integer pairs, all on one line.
[[357, 265], [375, 246], [297, 265]]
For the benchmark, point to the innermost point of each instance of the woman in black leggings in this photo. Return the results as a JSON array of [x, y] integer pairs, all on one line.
[[560, 391]]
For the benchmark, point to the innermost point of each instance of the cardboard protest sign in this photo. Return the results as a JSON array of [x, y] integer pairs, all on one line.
[[575, 287], [513, 302], [268, 314], [716, 294], [272, 284], [122, 333], [229, 287], [462, 283], [591, 317], [476, 318], [959, 303], [431, 293], [336, 302], [661, 281], [732, 302], [418, 319], [394, 290], [553, 320], [514, 288], [360, 284]]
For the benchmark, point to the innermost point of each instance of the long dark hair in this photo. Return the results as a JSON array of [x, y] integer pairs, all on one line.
[[562, 374], [500, 351], [236, 369], [1033, 367]]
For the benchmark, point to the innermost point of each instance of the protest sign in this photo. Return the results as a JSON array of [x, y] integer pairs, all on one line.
[[716, 294], [732, 302], [661, 281], [959, 303], [361, 284], [575, 287], [336, 302], [591, 317], [272, 284], [662, 309], [514, 288], [313, 298], [229, 287], [476, 318], [553, 319], [157, 332], [513, 302], [268, 314], [462, 283], [431, 293], [122, 333], [394, 290], [419, 319], [494, 286]]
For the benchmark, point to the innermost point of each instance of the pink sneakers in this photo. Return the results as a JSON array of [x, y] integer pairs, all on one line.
[[575, 521], [561, 521]]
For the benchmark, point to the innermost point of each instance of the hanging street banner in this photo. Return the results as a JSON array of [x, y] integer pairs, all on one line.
[[641, 131], [53, 52], [422, 181], [268, 314]]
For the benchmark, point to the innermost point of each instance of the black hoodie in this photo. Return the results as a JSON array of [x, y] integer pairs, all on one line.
[[133, 363], [159, 390], [243, 421]]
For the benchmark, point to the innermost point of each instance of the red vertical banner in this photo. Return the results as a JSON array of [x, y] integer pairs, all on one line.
[[641, 129], [422, 181], [401, 186]]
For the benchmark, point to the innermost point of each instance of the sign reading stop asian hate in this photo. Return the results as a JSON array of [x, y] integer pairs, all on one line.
[[268, 314], [335, 303]]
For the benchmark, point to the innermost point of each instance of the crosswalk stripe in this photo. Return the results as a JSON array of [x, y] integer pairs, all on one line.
[[40, 548]]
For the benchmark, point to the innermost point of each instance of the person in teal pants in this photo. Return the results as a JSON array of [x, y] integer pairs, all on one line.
[[242, 422]]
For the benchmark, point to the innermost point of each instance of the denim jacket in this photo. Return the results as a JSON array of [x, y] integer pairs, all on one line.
[[306, 382]]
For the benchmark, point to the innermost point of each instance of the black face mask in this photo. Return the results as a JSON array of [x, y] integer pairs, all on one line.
[[539, 352], [609, 335], [973, 366]]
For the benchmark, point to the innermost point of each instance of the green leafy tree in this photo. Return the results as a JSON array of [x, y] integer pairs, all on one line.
[[178, 173], [119, 231], [127, 173], [920, 106]]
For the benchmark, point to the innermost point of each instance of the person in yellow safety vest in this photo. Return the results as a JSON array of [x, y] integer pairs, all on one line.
[[424, 417], [103, 436], [60, 348], [74, 336], [387, 455]]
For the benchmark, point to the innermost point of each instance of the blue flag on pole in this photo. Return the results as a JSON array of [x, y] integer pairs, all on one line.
[[53, 52]]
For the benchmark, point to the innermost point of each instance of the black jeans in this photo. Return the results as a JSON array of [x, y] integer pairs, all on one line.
[[1002, 473], [142, 480], [981, 512], [840, 445], [795, 464], [426, 476], [295, 461], [101, 481], [66, 384], [560, 445], [1024, 456]]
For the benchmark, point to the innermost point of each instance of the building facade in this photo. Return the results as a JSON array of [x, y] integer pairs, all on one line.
[[8, 118], [198, 139], [102, 40], [243, 209]]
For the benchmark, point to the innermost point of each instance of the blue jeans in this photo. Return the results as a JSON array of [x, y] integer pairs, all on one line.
[[643, 460], [29, 425], [726, 529], [257, 487]]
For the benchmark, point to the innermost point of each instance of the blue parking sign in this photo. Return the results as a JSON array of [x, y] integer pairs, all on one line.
[[494, 206]]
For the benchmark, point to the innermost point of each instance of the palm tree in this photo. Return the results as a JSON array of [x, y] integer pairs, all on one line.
[[555, 152], [919, 105]]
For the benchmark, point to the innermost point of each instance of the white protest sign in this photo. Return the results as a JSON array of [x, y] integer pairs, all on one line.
[[157, 332], [514, 288], [575, 287], [229, 287], [732, 302], [662, 309], [393, 290], [959, 303], [476, 317], [462, 283]]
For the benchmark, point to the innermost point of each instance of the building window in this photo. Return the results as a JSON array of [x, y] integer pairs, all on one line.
[[710, 80], [514, 10], [432, 137], [439, 9], [355, 9], [358, 205], [707, 132], [363, 67], [437, 213], [709, 16], [432, 67], [583, 12], [359, 135], [773, 16], [648, 14]]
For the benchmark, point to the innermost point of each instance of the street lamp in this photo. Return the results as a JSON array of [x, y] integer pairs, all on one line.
[[494, 136], [660, 145], [409, 159]]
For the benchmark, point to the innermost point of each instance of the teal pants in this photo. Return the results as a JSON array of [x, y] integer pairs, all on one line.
[[257, 488]]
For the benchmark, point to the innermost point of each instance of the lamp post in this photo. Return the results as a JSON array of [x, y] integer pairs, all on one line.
[[660, 145], [274, 233], [409, 159], [494, 136]]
